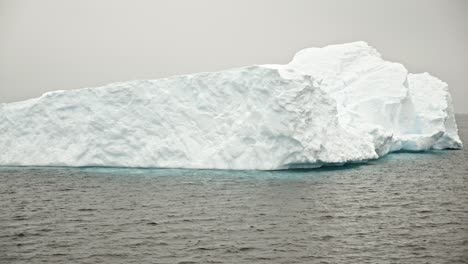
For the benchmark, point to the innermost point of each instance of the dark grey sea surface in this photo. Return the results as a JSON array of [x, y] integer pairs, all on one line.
[[404, 208]]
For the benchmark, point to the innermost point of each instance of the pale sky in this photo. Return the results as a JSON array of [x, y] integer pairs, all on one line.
[[63, 44]]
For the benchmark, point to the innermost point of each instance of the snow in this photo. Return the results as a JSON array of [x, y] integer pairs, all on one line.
[[331, 105], [413, 111]]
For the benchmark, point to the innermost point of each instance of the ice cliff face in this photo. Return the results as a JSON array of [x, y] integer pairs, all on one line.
[[331, 105], [403, 111]]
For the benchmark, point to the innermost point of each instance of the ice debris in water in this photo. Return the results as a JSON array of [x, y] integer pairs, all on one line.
[[331, 105]]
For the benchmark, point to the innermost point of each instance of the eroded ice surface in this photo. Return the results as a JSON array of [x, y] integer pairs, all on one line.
[[331, 105]]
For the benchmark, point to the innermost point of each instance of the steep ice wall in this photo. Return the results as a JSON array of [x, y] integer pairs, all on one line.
[[433, 111], [401, 111], [331, 105], [247, 118]]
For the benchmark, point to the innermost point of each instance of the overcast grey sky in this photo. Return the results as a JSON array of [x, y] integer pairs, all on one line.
[[60, 44]]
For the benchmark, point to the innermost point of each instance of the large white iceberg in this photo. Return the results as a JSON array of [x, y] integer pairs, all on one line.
[[331, 105]]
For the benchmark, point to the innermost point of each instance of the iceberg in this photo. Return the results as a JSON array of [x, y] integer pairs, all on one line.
[[328, 106]]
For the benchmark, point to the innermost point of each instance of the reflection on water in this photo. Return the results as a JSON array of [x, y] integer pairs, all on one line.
[[404, 208]]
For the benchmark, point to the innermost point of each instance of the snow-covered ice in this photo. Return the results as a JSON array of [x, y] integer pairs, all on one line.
[[331, 105]]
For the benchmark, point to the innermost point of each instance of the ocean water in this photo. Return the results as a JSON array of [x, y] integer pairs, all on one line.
[[404, 208]]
